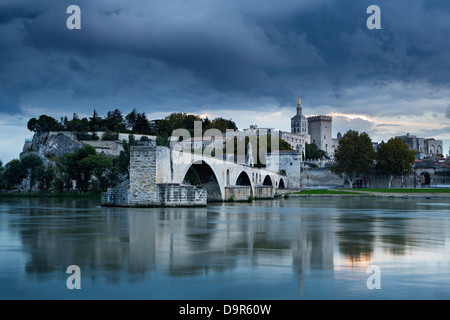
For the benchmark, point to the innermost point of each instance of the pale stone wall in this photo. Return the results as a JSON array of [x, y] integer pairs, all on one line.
[[287, 162], [117, 196], [175, 195], [264, 192], [320, 178], [109, 148], [143, 190], [238, 193]]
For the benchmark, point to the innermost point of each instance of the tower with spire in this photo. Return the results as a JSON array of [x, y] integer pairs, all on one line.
[[299, 123]]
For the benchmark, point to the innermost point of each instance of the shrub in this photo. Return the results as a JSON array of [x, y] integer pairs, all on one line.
[[110, 136]]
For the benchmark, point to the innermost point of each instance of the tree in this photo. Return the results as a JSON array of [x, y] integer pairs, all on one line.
[[43, 124], [176, 121], [313, 152], [13, 173], [142, 124], [95, 122], [2, 179], [97, 165], [354, 155], [395, 158], [45, 174], [219, 123], [114, 121], [123, 160], [163, 140], [71, 167], [29, 163], [130, 120]]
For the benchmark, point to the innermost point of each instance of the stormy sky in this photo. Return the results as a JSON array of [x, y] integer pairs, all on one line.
[[248, 60]]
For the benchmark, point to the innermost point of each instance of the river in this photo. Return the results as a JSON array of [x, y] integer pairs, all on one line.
[[283, 249]]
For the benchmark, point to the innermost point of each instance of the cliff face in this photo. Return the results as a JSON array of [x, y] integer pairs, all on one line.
[[53, 144]]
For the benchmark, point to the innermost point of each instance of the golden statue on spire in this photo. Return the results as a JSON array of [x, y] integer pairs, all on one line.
[[299, 102]]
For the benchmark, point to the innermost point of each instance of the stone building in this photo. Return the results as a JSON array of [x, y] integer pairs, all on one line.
[[423, 147], [320, 131], [286, 163]]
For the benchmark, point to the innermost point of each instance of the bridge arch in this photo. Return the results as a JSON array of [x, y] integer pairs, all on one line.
[[425, 178], [243, 179], [207, 178], [281, 184], [267, 181]]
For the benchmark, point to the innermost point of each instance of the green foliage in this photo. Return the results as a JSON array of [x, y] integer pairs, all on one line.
[[134, 122], [81, 166], [123, 160], [84, 136], [72, 170], [77, 125], [313, 152], [13, 174], [163, 140], [45, 175], [138, 123], [29, 164], [395, 158], [114, 121], [220, 124], [98, 166], [43, 124], [110, 136], [2, 178], [192, 178], [354, 155], [95, 122]]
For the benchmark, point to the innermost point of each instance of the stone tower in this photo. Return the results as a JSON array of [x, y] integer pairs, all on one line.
[[320, 131], [299, 123]]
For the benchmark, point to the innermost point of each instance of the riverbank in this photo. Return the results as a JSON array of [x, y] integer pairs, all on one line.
[[10, 194], [381, 193]]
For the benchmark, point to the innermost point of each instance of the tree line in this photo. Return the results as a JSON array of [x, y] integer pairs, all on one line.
[[90, 170], [134, 122], [356, 156]]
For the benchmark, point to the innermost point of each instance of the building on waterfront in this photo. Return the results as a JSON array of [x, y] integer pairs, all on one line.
[[320, 130], [423, 147]]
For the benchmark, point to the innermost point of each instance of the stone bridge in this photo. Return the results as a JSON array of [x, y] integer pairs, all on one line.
[[158, 178]]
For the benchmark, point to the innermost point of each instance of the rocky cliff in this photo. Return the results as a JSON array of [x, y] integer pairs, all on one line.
[[53, 144]]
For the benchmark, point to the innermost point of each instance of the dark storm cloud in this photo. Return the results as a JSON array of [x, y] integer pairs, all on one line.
[[192, 52]]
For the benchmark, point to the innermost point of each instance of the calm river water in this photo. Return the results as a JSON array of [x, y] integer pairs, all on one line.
[[295, 248]]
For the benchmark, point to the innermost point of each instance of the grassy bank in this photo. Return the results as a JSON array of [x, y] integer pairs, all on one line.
[[324, 192], [403, 190]]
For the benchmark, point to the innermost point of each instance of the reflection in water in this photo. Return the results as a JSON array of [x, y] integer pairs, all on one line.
[[270, 242]]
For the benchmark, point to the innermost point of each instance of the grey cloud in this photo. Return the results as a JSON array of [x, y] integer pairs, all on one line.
[[187, 53]]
